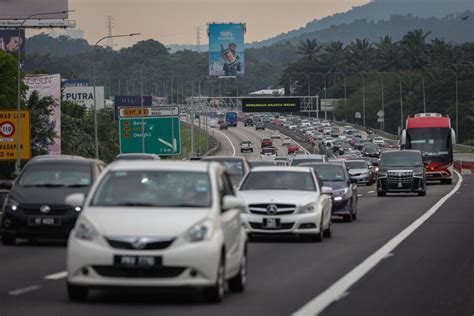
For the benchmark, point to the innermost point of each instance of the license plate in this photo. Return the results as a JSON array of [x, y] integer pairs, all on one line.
[[44, 221], [138, 261], [271, 223]]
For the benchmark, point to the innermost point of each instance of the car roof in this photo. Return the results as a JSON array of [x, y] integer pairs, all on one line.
[[279, 169], [310, 156], [47, 159], [223, 158], [400, 151], [197, 166]]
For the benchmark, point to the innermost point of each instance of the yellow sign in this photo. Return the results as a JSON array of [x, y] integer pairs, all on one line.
[[133, 112], [9, 132]]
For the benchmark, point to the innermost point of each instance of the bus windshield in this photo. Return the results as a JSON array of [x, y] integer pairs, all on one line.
[[434, 143]]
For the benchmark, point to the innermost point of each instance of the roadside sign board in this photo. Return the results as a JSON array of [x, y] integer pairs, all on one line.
[[357, 115], [148, 111], [380, 120], [134, 112], [161, 135], [9, 132], [380, 113]]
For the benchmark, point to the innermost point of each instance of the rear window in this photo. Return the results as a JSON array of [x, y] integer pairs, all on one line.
[[56, 175], [297, 162]]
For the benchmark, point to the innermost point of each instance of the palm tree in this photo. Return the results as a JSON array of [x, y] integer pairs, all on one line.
[[387, 54], [335, 59], [415, 50], [361, 55], [443, 54], [309, 49]]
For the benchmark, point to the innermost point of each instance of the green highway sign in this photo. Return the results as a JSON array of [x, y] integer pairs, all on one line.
[[161, 135]]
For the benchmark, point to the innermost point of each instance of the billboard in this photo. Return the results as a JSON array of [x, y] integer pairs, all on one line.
[[85, 96], [11, 41], [226, 49], [21, 9], [329, 104], [76, 82], [133, 101], [279, 105], [49, 85]]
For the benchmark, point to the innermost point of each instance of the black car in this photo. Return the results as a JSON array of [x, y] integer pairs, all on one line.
[[401, 171], [248, 122], [260, 125], [35, 206], [344, 196], [223, 126], [371, 150]]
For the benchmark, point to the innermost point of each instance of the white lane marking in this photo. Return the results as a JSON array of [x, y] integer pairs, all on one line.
[[359, 195], [56, 276], [233, 147], [337, 290], [371, 192], [24, 290]]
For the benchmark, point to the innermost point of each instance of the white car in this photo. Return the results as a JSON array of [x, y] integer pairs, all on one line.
[[379, 141], [275, 135], [171, 224], [286, 201], [268, 153]]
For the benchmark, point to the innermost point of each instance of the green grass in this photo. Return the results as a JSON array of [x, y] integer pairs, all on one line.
[[463, 150], [200, 147]]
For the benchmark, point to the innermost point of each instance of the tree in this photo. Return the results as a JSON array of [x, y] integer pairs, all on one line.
[[42, 129], [361, 55], [335, 58], [9, 81], [443, 54], [414, 49], [387, 55], [309, 49]]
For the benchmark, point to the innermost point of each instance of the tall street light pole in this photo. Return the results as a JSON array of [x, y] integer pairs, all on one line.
[[345, 90], [96, 134], [325, 90], [18, 105], [457, 97]]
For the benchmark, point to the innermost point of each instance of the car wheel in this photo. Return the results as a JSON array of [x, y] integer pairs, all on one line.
[[319, 237], [381, 193], [215, 293], [77, 293], [8, 239], [328, 232], [422, 193], [348, 218], [238, 283]]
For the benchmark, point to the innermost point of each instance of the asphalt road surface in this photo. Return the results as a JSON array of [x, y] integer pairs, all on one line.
[[430, 272]]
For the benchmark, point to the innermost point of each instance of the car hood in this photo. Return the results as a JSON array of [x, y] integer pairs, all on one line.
[[353, 171], [144, 221], [414, 169], [52, 196], [335, 185], [278, 196]]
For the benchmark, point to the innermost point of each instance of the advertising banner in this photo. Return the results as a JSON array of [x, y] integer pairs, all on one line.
[[21, 9], [133, 101], [11, 41], [279, 105], [226, 49], [9, 135], [85, 96], [49, 85], [329, 104], [76, 83]]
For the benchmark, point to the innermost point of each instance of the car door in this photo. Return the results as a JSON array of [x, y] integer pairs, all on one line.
[[230, 221], [325, 201]]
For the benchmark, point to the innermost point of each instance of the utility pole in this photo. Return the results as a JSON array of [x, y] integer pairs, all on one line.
[[198, 30], [110, 25]]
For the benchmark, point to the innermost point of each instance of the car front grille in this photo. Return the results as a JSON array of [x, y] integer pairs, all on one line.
[[283, 226], [128, 243], [119, 272], [400, 179], [30, 209], [282, 209]]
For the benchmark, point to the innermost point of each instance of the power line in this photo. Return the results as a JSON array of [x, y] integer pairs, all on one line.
[[198, 30]]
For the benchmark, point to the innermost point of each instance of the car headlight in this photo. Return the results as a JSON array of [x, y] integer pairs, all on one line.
[[200, 231], [309, 208], [85, 230], [340, 192], [376, 169], [11, 205]]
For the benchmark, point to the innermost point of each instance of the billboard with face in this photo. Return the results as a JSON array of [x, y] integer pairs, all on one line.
[[21, 9], [226, 49], [11, 41]]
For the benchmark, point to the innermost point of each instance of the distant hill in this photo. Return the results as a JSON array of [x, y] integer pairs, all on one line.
[[375, 11]]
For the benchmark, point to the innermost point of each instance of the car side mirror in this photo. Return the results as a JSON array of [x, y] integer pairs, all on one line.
[[326, 190], [231, 202], [75, 199], [6, 184]]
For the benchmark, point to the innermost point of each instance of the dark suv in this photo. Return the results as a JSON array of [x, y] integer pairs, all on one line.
[[401, 171], [35, 208]]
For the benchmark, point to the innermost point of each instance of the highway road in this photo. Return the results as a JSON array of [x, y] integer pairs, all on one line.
[[427, 270]]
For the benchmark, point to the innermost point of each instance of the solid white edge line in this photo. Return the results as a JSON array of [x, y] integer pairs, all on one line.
[[337, 290], [24, 290], [56, 276], [233, 147]]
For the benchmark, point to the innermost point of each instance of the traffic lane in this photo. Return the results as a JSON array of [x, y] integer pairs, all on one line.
[[256, 137], [430, 273], [284, 274]]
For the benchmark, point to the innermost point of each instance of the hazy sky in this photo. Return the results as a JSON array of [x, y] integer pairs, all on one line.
[[173, 21]]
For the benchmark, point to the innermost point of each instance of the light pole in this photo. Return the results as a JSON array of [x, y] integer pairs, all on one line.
[[345, 90], [457, 97], [96, 134], [325, 91], [18, 106]]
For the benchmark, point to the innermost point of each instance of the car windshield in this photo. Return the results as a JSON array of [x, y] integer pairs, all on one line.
[[356, 164], [297, 162], [150, 188], [271, 180], [401, 159], [56, 175], [233, 167], [371, 148], [434, 143], [330, 173]]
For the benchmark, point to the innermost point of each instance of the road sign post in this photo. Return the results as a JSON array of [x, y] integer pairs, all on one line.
[[162, 135], [9, 133]]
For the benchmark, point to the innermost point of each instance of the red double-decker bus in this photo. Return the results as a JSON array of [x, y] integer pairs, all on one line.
[[431, 133]]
